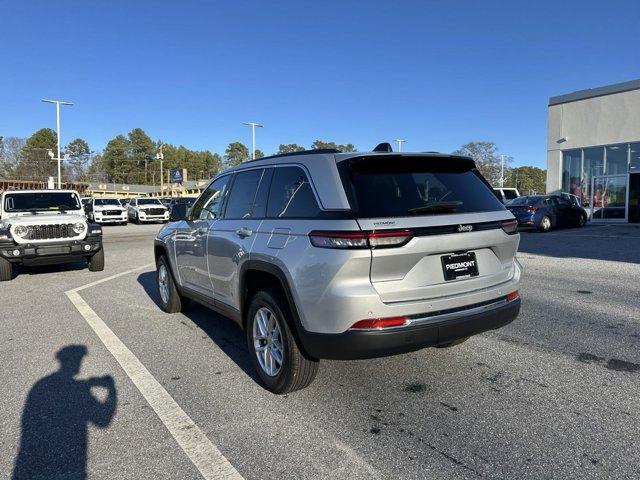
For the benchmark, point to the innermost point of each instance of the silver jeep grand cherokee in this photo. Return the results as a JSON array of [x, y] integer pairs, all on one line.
[[322, 254]]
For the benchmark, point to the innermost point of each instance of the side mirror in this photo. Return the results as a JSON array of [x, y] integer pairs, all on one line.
[[179, 212]]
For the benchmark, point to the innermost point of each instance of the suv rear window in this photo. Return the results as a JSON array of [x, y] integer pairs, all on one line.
[[399, 187]]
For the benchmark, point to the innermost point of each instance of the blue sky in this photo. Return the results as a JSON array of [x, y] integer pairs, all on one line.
[[437, 73]]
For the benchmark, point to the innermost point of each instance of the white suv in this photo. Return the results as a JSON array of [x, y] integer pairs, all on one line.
[[45, 227], [106, 210], [147, 210]]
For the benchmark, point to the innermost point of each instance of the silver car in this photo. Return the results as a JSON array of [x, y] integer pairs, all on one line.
[[322, 254]]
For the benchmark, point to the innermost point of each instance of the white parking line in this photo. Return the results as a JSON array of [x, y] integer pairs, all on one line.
[[203, 454]]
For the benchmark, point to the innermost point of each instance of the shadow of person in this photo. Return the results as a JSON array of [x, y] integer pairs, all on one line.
[[55, 418]]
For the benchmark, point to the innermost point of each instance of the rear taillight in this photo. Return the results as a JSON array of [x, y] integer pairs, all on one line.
[[379, 323], [363, 239], [510, 226], [513, 295]]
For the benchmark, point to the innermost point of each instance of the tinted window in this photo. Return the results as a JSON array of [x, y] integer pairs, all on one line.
[[510, 194], [260, 204], [54, 201], [209, 204], [291, 195], [524, 200], [398, 187], [243, 194]]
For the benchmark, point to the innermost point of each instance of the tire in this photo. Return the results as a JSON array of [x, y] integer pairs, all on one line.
[[6, 270], [295, 371], [582, 221], [453, 343], [96, 261], [170, 300], [545, 224]]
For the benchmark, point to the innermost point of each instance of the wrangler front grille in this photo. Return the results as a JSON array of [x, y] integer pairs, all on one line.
[[49, 232]]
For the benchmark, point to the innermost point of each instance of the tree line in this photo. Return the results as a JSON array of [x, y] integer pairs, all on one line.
[[132, 159]]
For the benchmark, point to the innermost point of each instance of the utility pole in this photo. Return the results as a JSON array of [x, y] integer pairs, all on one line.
[[160, 156], [58, 103], [253, 137], [400, 142]]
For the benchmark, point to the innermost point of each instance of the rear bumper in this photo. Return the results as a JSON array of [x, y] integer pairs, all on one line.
[[431, 331]]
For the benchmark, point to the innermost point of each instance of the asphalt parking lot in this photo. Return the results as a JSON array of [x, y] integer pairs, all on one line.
[[553, 395]]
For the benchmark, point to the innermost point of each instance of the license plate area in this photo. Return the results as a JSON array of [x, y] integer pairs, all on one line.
[[459, 265], [57, 250]]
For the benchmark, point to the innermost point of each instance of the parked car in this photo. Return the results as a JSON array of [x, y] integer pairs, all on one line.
[[322, 254], [507, 194], [187, 201], [147, 210], [106, 210], [547, 211], [166, 201], [45, 227], [124, 202]]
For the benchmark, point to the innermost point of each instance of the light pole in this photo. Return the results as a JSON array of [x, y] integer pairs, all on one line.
[[253, 137], [160, 156], [400, 142], [58, 103], [501, 171]]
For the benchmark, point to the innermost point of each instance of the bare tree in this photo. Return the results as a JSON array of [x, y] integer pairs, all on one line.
[[10, 148]]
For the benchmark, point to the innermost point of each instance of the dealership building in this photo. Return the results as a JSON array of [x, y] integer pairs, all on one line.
[[593, 150]]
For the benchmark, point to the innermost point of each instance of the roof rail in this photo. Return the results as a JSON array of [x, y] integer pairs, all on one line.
[[303, 152]]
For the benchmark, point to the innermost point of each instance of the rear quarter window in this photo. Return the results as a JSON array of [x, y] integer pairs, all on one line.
[[291, 195]]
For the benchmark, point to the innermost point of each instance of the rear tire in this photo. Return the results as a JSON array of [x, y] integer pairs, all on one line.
[[290, 369], [6, 270], [545, 224], [170, 300], [582, 221], [96, 261]]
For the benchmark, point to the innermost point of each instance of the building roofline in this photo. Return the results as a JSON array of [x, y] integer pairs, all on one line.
[[595, 92]]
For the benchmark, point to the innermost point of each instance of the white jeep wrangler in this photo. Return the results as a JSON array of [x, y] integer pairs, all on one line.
[[45, 227]]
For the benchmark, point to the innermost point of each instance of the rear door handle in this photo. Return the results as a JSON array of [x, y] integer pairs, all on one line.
[[244, 232]]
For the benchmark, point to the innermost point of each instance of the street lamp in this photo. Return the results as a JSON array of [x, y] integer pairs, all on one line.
[[160, 156], [400, 142], [253, 137], [58, 103]]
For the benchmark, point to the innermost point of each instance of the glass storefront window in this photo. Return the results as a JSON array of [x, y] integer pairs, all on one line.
[[616, 159], [571, 170], [634, 161], [593, 165]]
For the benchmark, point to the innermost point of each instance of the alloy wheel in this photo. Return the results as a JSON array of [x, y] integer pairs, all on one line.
[[267, 341], [163, 283]]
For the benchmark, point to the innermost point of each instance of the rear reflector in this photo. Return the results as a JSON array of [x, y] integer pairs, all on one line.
[[362, 239], [513, 295], [510, 226], [379, 323]]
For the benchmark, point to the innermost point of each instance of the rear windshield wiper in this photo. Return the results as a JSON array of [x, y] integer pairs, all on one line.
[[436, 206]]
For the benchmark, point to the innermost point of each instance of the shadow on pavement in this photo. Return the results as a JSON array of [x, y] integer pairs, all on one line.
[[601, 242], [226, 333], [58, 409]]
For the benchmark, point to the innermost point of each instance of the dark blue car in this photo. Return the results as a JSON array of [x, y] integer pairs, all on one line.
[[546, 211]]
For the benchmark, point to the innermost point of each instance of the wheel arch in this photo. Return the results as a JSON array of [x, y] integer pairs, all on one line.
[[256, 274]]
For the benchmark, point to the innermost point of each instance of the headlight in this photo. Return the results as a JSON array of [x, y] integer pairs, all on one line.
[[21, 230], [78, 228]]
